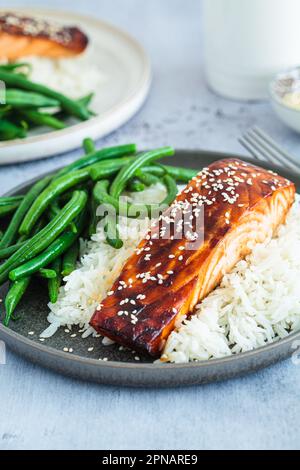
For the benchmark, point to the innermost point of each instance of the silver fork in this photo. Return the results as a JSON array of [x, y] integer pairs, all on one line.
[[265, 149]]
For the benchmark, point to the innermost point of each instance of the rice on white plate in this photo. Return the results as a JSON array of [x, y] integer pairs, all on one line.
[[257, 303], [74, 77]]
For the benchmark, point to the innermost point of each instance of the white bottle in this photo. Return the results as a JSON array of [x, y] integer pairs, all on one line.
[[247, 42]]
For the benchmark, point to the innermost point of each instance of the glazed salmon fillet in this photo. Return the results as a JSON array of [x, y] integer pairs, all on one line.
[[22, 37], [240, 205]]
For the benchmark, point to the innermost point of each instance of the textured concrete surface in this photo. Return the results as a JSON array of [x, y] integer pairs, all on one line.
[[39, 409]]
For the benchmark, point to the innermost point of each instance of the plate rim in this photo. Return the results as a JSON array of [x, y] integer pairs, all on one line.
[[135, 99], [77, 359]]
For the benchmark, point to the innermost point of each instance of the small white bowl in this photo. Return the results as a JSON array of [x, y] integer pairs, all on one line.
[[283, 84]]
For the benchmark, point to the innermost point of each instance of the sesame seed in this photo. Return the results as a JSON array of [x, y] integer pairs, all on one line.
[[90, 349]]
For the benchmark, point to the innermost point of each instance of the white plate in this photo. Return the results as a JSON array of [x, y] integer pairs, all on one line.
[[127, 72]]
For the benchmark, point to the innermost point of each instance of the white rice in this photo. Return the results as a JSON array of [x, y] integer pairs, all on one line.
[[75, 77], [257, 303]]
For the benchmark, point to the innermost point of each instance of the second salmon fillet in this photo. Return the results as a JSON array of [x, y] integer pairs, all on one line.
[[241, 205]]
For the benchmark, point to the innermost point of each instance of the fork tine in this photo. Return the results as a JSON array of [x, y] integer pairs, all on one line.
[[274, 145], [253, 149], [278, 154], [254, 141]]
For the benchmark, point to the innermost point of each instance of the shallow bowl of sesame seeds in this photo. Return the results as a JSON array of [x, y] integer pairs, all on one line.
[[89, 359]]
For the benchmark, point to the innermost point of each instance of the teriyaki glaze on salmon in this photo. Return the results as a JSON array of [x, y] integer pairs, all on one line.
[[22, 36], [241, 205]]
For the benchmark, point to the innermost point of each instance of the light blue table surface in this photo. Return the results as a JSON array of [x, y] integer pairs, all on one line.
[[40, 409]]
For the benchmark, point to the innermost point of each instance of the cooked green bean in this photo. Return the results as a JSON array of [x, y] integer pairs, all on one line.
[[48, 195], [14, 66], [89, 146], [65, 182], [124, 208], [47, 273], [129, 170], [72, 107], [27, 99], [108, 168], [98, 156], [84, 101], [8, 251], [135, 185], [172, 190], [43, 119], [8, 209], [147, 178], [54, 284], [58, 247], [112, 233], [7, 200], [13, 297], [54, 210], [180, 174], [46, 236], [4, 110], [70, 259], [100, 196], [93, 217], [9, 130], [11, 232]]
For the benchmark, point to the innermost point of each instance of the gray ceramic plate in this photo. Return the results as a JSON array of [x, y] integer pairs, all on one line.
[[121, 368]]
